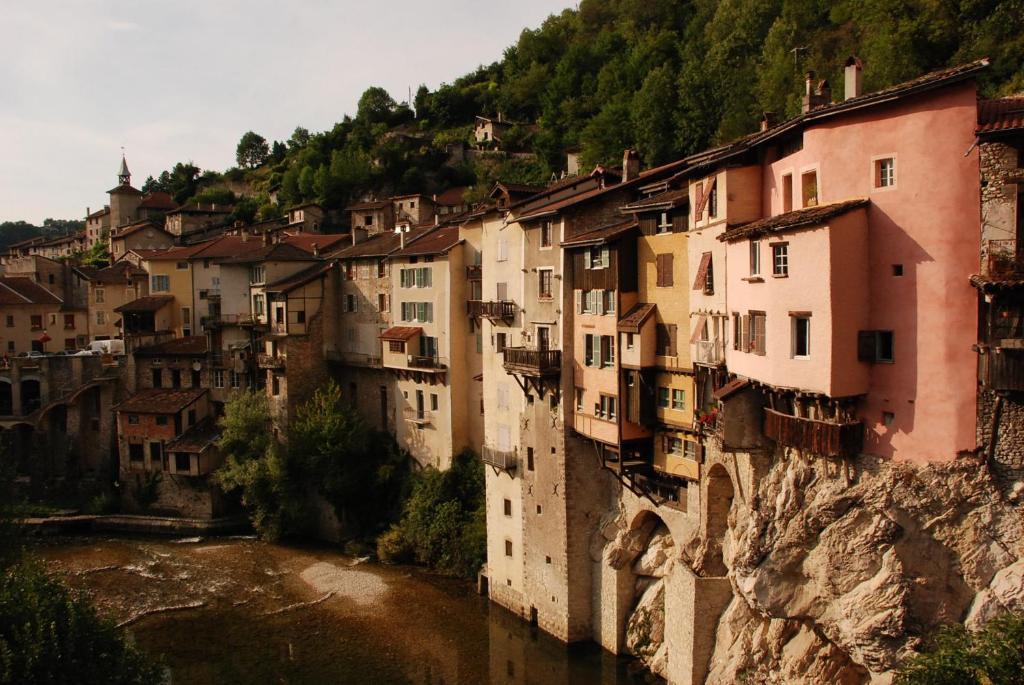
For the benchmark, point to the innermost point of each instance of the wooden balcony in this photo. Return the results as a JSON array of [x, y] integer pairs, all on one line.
[[269, 361], [474, 272], [500, 310], [523, 361], [710, 352], [1001, 368], [428, 363], [419, 417], [1003, 260], [823, 438], [499, 459]]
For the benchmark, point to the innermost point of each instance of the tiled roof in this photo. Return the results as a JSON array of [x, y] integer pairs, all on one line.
[[98, 213], [15, 290], [401, 333], [635, 317], [171, 253], [800, 218], [436, 241], [275, 252], [602, 235], [922, 83], [301, 278], [451, 197], [130, 229], [1005, 114], [371, 204], [987, 285], [161, 400], [322, 241], [117, 273], [731, 388], [202, 208], [158, 200], [377, 245], [124, 189], [191, 346], [198, 438], [149, 303], [666, 199]]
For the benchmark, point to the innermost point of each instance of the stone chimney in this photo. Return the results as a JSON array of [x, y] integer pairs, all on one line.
[[768, 119], [630, 165], [852, 74], [815, 96]]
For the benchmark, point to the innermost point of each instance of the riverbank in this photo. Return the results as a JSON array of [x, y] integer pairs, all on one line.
[[79, 524], [233, 610]]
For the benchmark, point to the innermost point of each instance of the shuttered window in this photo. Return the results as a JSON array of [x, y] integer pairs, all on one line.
[[663, 263], [666, 339], [704, 191], [758, 332], [701, 281]]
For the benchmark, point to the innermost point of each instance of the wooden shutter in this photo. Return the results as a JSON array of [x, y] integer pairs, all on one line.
[[699, 328], [703, 194], [588, 261], [605, 257], [579, 301], [760, 333], [866, 346], [667, 278], [648, 225], [679, 222], [660, 267], [605, 351], [745, 345], [502, 291], [672, 340], [702, 272]]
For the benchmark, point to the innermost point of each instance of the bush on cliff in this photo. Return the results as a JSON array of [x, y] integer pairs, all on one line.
[[443, 524], [957, 656]]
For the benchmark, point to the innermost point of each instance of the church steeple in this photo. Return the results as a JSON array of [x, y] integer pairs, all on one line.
[[124, 176]]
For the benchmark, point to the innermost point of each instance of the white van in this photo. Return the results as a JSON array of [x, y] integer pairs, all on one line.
[[113, 347]]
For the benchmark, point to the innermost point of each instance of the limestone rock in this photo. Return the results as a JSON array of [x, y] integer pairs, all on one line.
[[1006, 593], [645, 630], [657, 559]]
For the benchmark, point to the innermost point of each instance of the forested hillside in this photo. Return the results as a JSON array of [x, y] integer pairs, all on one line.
[[15, 231], [667, 78]]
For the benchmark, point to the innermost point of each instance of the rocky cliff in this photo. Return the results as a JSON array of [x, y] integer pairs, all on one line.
[[840, 569]]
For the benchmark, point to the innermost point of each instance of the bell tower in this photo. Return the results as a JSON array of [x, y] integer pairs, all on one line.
[[124, 176]]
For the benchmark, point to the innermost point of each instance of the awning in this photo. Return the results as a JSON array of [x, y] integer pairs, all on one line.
[[731, 388], [401, 333]]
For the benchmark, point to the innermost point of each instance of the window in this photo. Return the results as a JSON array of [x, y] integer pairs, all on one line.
[[544, 278], [382, 302], [663, 394], [802, 337], [420, 277], [69, 343], [690, 450], [367, 220], [257, 274], [666, 339], [545, 234], [161, 420], [758, 332], [502, 250], [876, 347], [629, 341], [418, 311], [381, 268], [809, 188], [69, 321], [350, 303], [588, 350], [133, 419], [508, 548], [678, 399], [236, 380], [888, 418], [897, 270], [596, 257], [10, 321], [218, 378], [608, 302], [186, 316], [885, 172], [182, 266], [605, 409], [713, 202], [275, 385], [607, 350], [579, 399], [350, 271], [99, 295], [160, 284], [136, 452], [300, 316], [433, 401], [507, 507], [500, 342], [672, 446], [787, 193], [257, 304], [664, 224], [182, 462], [755, 257], [663, 265], [705, 279], [780, 259], [396, 346], [737, 334]]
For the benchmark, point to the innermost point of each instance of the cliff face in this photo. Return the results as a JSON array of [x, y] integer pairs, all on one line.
[[840, 569]]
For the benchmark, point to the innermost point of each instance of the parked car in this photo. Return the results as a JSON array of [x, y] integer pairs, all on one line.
[[114, 347], [33, 354], [87, 353]]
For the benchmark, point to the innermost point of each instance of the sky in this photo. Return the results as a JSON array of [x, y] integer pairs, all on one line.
[[182, 80]]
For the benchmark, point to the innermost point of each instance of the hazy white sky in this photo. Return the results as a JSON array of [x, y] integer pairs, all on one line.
[[179, 80]]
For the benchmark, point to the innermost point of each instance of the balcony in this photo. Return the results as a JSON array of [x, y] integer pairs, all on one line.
[[524, 361], [823, 438], [270, 361], [499, 459], [500, 310], [419, 417], [1003, 261], [1001, 368], [230, 320], [474, 272], [710, 352], [428, 363]]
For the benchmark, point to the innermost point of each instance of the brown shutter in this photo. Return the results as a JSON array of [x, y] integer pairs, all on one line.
[[659, 266], [866, 346], [703, 194], [701, 322], [668, 270], [648, 225], [745, 333], [761, 333], [679, 222], [702, 271], [672, 340]]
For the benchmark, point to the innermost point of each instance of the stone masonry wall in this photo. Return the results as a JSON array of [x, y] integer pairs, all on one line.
[[1007, 454]]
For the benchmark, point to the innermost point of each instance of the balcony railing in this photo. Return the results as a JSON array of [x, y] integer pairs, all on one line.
[[1001, 368], [230, 320], [1003, 260], [418, 416], [494, 310], [525, 361], [710, 351], [474, 272], [823, 438], [422, 362], [501, 459], [270, 361]]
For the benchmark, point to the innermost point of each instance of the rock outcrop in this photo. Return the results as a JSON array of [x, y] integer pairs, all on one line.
[[840, 569]]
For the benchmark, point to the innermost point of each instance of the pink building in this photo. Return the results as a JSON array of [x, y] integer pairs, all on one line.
[[851, 300]]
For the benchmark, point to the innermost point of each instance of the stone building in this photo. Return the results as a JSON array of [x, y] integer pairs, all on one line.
[[106, 290], [34, 319]]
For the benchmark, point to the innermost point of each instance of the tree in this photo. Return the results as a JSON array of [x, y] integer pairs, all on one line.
[[252, 150], [375, 106], [300, 136], [653, 108], [957, 656]]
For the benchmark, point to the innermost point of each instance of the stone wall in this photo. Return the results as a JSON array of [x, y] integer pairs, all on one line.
[[1002, 443], [998, 196]]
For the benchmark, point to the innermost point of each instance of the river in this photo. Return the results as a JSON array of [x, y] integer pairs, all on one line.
[[243, 611]]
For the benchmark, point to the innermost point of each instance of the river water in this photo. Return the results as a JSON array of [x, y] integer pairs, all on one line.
[[244, 611]]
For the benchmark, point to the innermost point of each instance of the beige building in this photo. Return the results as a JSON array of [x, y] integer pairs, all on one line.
[[140, 235], [34, 319], [108, 289]]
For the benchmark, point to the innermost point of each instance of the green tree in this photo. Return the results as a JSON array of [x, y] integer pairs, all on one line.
[[654, 106], [252, 150], [375, 106], [957, 656]]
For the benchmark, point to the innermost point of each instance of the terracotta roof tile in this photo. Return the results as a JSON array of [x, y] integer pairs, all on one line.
[[377, 245], [202, 208], [301, 278], [192, 346], [161, 400], [158, 200], [666, 199], [149, 303], [431, 242], [198, 438], [1005, 114], [799, 218], [401, 333], [370, 204], [599, 236], [18, 290], [117, 273], [635, 317]]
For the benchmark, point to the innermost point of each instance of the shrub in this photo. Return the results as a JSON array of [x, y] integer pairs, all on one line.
[[393, 547], [957, 656]]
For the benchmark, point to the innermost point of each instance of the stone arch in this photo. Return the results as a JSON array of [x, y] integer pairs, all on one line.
[[719, 498], [6, 397], [31, 395]]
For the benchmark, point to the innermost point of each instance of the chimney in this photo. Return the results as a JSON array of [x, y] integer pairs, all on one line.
[[809, 84], [630, 165], [401, 238], [316, 250], [768, 119], [815, 95], [824, 93], [851, 87], [87, 211]]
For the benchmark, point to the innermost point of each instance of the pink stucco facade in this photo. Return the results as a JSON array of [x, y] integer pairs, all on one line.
[[927, 224]]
